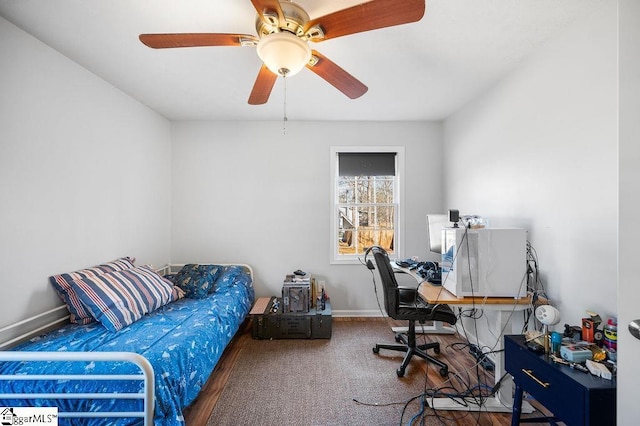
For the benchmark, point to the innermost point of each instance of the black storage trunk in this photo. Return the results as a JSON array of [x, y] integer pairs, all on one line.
[[269, 322]]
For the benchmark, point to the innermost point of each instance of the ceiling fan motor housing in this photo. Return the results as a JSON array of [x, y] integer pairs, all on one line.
[[294, 20]]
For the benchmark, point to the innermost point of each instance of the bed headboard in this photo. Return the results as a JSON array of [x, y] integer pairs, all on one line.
[[20, 331]]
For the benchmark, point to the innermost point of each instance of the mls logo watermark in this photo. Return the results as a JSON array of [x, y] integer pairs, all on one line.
[[29, 416]]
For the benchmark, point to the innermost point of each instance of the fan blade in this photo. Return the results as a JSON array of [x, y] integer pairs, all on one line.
[[368, 16], [262, 87], [269, 8], [162, 41], [336, 76]]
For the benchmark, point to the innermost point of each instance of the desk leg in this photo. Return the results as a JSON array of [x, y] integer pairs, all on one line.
[[517, 406], [502, 402], [505, 392]]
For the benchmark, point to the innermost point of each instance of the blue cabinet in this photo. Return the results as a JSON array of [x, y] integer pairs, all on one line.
[[574, 397]]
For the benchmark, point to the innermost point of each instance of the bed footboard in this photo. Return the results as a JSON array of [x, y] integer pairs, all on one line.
[[145, 376]]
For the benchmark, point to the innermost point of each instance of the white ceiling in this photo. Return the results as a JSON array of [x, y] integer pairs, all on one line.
[[419, 71]]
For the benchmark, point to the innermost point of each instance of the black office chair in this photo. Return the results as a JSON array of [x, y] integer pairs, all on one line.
[[403, 303]]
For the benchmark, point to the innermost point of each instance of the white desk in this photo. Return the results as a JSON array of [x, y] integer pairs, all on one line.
[[504, 307]]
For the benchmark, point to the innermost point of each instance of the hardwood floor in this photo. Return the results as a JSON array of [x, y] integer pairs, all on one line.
[[198, 413]]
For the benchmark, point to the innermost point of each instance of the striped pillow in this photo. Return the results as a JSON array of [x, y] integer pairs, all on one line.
[[62, 283], [117, 299]]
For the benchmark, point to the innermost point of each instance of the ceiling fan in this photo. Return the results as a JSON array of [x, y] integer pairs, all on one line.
[[284, 30]]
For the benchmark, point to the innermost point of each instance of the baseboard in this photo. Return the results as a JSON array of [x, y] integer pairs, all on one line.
[[361, 313]]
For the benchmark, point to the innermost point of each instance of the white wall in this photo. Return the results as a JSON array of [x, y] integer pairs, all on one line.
[[84, 174], [628, 290], [246, 192], [539, 151]]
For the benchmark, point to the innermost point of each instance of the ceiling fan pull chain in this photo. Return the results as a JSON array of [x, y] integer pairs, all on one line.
[[284, 117]]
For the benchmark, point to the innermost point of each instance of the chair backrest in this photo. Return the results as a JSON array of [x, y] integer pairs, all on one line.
[[389, 283]]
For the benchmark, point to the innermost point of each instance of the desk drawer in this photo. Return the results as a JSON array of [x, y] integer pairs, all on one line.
[[557, 392]]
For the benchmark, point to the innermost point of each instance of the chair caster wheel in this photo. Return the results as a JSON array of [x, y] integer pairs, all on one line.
[[398, 338], [376, 350], [444, 372], [400, 372], [436, 351]]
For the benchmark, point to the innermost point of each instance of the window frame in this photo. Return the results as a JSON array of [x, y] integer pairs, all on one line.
[[342, 259]]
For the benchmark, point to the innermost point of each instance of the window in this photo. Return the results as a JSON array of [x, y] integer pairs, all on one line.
[[366, 209]]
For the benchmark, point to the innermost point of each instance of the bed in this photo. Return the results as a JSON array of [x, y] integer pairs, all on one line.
[[134, 368]]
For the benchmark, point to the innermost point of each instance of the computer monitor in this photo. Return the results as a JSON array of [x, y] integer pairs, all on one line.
[[435, 223]]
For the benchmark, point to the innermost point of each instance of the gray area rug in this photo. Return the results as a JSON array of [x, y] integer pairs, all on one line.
[[315, 382]]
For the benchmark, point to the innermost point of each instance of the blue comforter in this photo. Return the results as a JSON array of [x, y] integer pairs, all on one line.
[[183, 341]]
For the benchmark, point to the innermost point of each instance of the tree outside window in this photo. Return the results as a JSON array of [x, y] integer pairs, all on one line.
[[366, 213]]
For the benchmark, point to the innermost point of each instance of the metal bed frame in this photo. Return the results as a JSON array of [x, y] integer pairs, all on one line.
[[146, 375]]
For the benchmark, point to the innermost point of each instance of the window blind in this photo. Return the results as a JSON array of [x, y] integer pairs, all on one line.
[[367, 163]]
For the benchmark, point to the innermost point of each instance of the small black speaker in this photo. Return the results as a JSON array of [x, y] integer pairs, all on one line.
[[454, 216]]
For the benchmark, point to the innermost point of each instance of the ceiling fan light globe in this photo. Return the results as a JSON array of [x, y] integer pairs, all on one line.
[[283, 53]]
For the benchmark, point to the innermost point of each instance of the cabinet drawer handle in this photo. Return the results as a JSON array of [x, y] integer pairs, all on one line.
[[540, 382]]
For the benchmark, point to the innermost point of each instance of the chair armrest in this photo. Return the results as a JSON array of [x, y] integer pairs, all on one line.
[[407, 290], [407, 295]]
